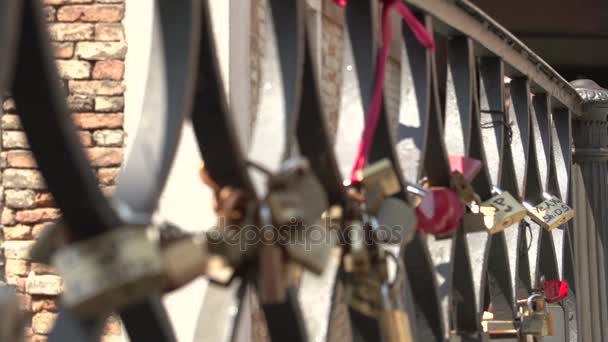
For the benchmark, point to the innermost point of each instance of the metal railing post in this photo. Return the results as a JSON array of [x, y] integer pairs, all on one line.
[[590, 194]]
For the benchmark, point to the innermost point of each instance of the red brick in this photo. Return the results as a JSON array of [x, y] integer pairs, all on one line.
[[71, 31], [107, 176], [25, 302], [39, 228], [18, 282], [39, 338], [43, 322], [105, 156], [112, 327], [38, 215], [64, 2], [44, 199], [109, 32], [91, 13], [95, 121], [16, 267], [21, 159], [42, 269], [85, 138], [63, 50], [8, 216], [20, 232], [44, 303], [109, 70]]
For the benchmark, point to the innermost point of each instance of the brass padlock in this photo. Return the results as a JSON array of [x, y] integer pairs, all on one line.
[[296, 195], [110, 271], [312, 246], [534, 318], [379, 181], [12, 324], [51, 240], [463, 188], [363, 294], [394, 323], [551, 213], [495, 214]]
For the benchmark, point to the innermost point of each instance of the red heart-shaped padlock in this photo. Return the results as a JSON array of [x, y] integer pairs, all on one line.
[[555, 290], [341, 3], [439, 213]]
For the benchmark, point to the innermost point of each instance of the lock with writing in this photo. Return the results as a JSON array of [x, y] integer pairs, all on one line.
[[551, 212], [496, 214]]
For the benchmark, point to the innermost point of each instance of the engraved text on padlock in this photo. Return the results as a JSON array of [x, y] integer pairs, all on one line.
[[551, 213]]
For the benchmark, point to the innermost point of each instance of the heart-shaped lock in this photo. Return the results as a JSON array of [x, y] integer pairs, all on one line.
[[439, 212], [555, 290]]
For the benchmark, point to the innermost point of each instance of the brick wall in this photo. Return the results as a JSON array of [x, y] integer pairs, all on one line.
[[89, 42]]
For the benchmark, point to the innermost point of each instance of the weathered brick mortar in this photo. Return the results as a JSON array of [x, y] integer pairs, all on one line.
[[89, 44]]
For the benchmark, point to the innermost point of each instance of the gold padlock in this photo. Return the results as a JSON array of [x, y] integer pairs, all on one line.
[[495, 214], [110, 271], [551, 213], [463, 188], [394, 323], [379, 181]]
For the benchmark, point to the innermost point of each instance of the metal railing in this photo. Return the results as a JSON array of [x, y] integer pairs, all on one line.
[[451, 102]]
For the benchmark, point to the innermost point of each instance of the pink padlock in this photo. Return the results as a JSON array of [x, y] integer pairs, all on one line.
[[555, 290], [439, 212]]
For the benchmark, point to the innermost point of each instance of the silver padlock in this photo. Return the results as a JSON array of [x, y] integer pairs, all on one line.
[[396, 222], [296, 195], [313, 245], [110, 271]]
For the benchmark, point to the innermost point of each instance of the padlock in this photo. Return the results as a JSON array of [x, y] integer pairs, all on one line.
[[463, 188], [498, 329], [551, 213], [12, 324], [379, 181], [394, 323], [396, 222], [52, 239], [555, 290], [363, 294], [534, 319], [495, 214], [313, 245], [359, 254], [185, 259], [463, 171], [110, 271], [296, 195], [439, 212]]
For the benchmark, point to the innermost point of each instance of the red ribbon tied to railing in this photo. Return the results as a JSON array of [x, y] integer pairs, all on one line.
[[555, 290], [373, 114]]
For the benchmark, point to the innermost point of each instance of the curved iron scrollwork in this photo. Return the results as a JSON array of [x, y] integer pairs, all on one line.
[[446, 284]]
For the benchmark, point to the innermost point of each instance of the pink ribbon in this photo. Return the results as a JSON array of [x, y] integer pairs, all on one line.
[[373, 114]]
